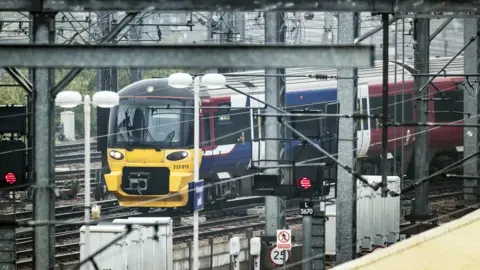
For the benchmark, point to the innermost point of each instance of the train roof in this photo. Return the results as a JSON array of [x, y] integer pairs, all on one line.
[[255, 85], [161, 89]]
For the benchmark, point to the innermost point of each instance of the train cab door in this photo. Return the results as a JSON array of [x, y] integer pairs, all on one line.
[[256, 132], [207, 140], [364, 134]]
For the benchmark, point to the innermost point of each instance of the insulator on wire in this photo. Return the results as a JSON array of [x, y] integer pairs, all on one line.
[[321, 76], [159, 33]]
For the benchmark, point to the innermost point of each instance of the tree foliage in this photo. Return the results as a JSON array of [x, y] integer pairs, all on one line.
[[85, 83]]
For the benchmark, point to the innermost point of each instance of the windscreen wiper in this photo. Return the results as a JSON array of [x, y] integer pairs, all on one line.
[[129, 145], [157, 146], [170, 137]]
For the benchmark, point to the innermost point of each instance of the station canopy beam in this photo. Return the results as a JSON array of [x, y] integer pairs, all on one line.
[[186, 56], [379, 6]]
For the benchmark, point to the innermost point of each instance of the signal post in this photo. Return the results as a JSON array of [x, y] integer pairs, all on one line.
[[306, 210]]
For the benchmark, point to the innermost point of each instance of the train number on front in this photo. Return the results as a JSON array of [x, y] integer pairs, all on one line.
[[181, 167]]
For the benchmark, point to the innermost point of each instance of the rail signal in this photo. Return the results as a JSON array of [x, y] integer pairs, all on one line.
[[304, 187], [10, 178], [13, 165]]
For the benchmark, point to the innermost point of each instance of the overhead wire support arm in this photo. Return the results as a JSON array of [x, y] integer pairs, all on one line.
[[441, 27], [446, 75], [462, 176], [445, 169], [432, 124], [306, 114], [20, 79], [313, 76], [472, 39], [373, 31], [107, 38]]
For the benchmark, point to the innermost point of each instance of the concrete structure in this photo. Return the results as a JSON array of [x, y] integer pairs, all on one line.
[[453, 245]]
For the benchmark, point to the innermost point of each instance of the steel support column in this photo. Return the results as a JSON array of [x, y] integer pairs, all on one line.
[[106, 77], [51, 83], [135, 37], [384, 161], [274, 95], [226, 34], [422, 65], [105, 81], [346, 184], [470, 137], [44, 184]]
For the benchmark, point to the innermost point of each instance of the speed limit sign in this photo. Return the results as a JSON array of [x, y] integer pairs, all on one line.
[[277, 256]]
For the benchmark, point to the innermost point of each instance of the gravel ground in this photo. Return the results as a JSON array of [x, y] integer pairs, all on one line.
[[79, 166], [438, 208]]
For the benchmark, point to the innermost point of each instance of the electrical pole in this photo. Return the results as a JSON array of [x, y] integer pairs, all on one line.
[[52, 34], [44, 202], [274, 95], [346, 184], [240, 26], [470, 135], [318, 240], [421, 33], [227, 34], [106, 80], [307, 238], [384, 161], [135, 37]]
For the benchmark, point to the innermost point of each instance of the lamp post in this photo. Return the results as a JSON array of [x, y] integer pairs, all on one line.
[[184, 80], [102, 99]]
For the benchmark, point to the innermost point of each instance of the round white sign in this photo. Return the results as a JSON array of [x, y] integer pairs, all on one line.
[[276, 256]]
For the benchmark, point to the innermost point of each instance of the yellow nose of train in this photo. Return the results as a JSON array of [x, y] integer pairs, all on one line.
[[150, 178]]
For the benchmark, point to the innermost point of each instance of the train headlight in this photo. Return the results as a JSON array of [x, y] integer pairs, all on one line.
[[179, 155], [115, 155]]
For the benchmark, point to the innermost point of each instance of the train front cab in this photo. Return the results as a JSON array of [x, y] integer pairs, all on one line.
[[150, 146], [146, 178]]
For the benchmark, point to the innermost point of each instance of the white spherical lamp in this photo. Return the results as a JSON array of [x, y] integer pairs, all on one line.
[[68, 99], [106, 99], [214, 80], [180, 80]]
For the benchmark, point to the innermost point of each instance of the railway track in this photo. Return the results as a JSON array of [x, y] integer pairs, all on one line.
[[61, 149], [67, 236], [66, 231], [76, 158]]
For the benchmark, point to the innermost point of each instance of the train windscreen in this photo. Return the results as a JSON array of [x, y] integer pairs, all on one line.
[[153, 124]]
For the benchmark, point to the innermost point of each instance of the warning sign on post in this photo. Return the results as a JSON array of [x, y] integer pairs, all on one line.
[[284, 239]]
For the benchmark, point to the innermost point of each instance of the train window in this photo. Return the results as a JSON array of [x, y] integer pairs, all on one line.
[[206, 127], [331, 123], [231, 125], [450, 110], [397, 104], [394, 109], [376, 109]]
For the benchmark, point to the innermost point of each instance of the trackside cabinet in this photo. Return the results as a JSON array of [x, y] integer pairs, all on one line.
[[147, 253], [115, 257]]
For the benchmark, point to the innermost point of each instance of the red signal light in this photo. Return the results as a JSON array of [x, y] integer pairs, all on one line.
[[304, 183], [10, 178]]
